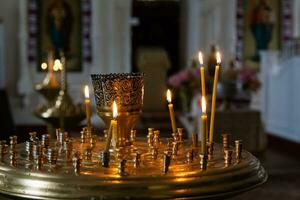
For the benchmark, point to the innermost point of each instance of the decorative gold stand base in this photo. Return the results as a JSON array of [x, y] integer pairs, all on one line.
[[125, 179]]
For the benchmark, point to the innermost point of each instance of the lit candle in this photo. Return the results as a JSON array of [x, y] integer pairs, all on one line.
[[202, 73], [171, 111], [203, 126], [113, 129], [44, 66], [114, 125], [214, 97], [87, 107]]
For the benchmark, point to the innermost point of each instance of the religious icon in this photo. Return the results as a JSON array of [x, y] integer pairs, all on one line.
[[59, 19], [60, 31], [262, 28]]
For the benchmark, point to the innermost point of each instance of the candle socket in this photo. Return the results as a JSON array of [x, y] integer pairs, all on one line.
[[238, 149], [195, 140], [39, 162], [77, 163], [105, 133], [154, 153], [68, 148], [52, 155], [203, 161], [210, 150], [227, 157], [46, 140], [88, 132], [175, 149], [226, 141], [175, 137], [156, 138], [190, 156], [13, 141], [93, 141], [166, 163], [137, 160], [33, 137], [150, 136], [105, 157], [2, 149], [13, 158], [132, 136], [88, 154], [122, 166], [37, 150], [180, 134]]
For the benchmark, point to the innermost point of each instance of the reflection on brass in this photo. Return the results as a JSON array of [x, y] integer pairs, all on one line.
[[62, 113], [137, 160], [227, 157], [156, 138], [52, 155], [195, 140], [190, 156], [122, 166], [33, 136], [128, 92], [45, 140], [203, 161], [226, 141], [180, 134], [150, 136], [238, 149], [105, 158], [166, 163], [13, 141], [132, 135], [77, 163], [210, 150]]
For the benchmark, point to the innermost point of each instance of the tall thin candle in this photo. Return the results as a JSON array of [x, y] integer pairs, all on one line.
[[203, 126], [171, 111], [114, 125], [214, 98], [87, 107], [202, 73]]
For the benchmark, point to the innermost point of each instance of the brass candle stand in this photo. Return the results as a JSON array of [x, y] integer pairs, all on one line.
[[139, 168], [60, 111]]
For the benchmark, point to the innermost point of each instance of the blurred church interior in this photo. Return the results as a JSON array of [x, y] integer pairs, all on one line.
[[257, 92]]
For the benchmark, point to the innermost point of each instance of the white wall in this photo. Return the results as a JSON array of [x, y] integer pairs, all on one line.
[[280, 95], [9, 17], [210, 22], [2, 66]]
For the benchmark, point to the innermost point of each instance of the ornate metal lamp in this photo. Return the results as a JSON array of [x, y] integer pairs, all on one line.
[[128, 91]]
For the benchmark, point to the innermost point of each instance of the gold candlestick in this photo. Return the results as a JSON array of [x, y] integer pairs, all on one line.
[[202, 73], [203, 126], [214, 97], [87, 102], [171, 111]]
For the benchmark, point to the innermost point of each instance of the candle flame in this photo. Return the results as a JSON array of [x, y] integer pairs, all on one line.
[[218, 56], [57, 65], [203, 104], [86, 92], [44, 66], [57, 62], [169, 96], [200, 58], [115, 110]]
